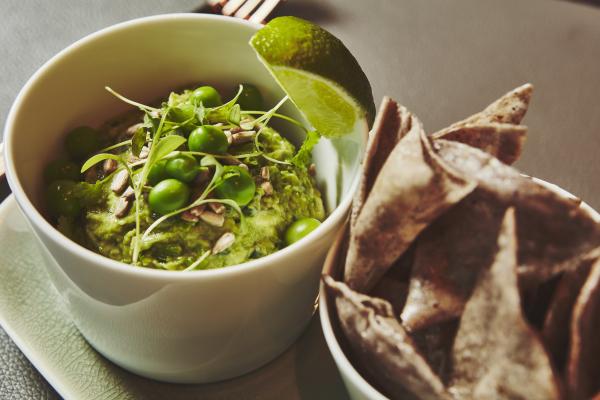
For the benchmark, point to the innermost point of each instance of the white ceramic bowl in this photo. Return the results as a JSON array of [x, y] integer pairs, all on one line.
[[197, 326], [358, 387]]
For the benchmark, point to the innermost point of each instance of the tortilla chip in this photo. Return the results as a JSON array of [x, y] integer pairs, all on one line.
[[392, 291], [555, 233], [496, 354], [508, 109], [536, 300], [583, 369], [449, 256], [555, 331], [412, 189], [435, 344], [391, 124], [503, 141], [382, 346]]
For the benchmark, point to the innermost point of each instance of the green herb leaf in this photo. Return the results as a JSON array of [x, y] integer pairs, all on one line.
[[166, 145], [208, 161], [303, 157], [235, 115], [221, 113], [248, 125], [150, 123], [201, 113], [99, 158], [138, 141]]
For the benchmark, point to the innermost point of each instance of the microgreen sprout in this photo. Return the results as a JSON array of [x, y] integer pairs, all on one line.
[[196, 263], [160, 133], [141, 106]]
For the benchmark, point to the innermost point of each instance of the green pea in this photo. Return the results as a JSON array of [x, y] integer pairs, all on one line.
[[250, 99], [208, 139], [61, 169], [183, 167], [168, 195], [300, 228], [61, 198], [82, 141], [207, 95], [237, 186], [158, 172], [183, 112]]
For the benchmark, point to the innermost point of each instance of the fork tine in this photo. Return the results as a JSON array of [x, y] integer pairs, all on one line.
[[263, 11], [231, 7], [247, 8]]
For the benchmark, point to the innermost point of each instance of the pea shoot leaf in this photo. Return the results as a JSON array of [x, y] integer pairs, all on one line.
[[99, 158], [166, 145], [201, 113], [235, 115], [221, 113], [138, 141], [303, 157]]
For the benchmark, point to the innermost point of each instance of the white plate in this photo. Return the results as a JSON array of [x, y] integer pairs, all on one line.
[[32, 314]]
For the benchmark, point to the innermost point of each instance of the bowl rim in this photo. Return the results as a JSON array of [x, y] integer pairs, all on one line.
[[35, 217], [331, 267], [327, 324]]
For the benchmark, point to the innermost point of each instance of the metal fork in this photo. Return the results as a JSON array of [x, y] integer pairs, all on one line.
[[256, 11]]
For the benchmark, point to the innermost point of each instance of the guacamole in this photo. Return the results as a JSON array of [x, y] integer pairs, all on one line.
[[192, 184]]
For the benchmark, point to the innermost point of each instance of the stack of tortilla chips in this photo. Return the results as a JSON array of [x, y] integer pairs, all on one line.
[[464, 279]]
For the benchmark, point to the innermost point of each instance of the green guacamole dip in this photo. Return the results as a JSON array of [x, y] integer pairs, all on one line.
[[285, 190]]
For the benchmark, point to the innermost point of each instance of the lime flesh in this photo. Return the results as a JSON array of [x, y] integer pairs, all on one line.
[[318, 73]]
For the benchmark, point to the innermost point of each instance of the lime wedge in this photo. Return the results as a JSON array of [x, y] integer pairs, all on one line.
[[318, 73]]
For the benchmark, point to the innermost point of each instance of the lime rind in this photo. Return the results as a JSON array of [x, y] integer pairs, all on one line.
[[318, 73]]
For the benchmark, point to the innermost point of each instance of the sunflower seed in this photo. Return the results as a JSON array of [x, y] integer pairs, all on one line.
[[189, 216], [120, 181], [223, 243], [109, 166], [264, 173], [228, 135], [198, 210], [123, 206], [129, 193], [144, 153], [212, 218], [217, 207], [267, 187], [242, 137]]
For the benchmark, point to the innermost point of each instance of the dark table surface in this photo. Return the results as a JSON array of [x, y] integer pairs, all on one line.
[[442, 59]]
